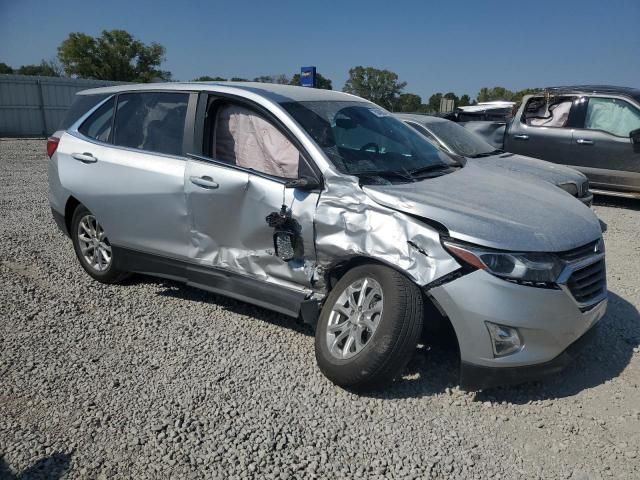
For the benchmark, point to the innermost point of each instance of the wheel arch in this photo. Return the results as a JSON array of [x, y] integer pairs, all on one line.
[[69, 208], [438, 324]]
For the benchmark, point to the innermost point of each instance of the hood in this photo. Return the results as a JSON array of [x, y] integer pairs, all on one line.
[[495, 209], [532, 167]]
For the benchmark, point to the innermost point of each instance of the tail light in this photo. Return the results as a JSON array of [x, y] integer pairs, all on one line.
[[52, 145]]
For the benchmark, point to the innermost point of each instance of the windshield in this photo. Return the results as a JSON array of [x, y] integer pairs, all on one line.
[[361, 138], [461, 140]]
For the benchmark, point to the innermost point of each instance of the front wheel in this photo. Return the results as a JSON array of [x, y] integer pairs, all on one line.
[[368, 328], [93, 249]]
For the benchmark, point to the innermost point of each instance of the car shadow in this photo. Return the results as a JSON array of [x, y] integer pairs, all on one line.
[[616, 202], [52, 467], [181, 291], [435, 367]]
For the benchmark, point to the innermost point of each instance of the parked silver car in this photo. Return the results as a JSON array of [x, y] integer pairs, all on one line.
[[457, 140], [321, 205]]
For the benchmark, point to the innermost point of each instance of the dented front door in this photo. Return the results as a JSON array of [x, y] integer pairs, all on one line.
[[228, 209]]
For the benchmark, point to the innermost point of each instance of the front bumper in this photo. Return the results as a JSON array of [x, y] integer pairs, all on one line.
[[587, 199], [479, 377], [548, 321]]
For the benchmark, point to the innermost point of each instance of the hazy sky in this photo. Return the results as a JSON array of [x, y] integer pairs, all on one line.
[[433, 46]]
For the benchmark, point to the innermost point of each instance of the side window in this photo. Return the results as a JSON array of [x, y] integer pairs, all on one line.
[[152, 121], [98, 125], [553, 113], [612, 115], [241, 136], [81, 105]]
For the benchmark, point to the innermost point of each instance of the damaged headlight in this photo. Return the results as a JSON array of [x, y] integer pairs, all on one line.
[[532, 269]]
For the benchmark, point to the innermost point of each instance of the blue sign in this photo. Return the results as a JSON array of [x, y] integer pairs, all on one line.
[[308, 77]]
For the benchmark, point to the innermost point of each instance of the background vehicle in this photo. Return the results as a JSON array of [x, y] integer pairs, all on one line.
[[593, 128], [460, 141], [322, 205]]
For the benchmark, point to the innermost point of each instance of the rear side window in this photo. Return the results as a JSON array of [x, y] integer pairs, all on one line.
[[98, 125], [151, 121], [81, 105]]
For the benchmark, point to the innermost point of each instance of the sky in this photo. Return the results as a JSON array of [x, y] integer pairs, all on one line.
[[434, 46]]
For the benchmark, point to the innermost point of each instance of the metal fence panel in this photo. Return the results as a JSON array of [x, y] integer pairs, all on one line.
[[32, 106]]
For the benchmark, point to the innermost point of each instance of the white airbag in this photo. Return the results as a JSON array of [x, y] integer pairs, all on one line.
[[245, 139]]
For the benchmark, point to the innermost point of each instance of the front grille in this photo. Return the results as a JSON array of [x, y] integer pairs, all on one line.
[[588, 283], [582, 252]]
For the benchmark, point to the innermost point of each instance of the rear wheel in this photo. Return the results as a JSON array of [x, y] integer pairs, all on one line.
[[92, 246], [369, 327]]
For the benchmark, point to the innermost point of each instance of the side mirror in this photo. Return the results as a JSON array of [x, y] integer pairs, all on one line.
[[635, 139], [303, 183]]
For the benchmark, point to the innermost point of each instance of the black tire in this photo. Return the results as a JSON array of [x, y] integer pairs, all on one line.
[[388, 350], [111, 274]]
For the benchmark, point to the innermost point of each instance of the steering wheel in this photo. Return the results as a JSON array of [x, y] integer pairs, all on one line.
[[368, 145]]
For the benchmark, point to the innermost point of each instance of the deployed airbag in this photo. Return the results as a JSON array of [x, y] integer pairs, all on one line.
[[243, 138]]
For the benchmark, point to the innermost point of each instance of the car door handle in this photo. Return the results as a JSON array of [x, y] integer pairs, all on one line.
[[521, 137], [204, 182], [85, 157], [584, 141]]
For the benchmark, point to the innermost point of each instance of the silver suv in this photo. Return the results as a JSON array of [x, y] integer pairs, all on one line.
[[323, 206]]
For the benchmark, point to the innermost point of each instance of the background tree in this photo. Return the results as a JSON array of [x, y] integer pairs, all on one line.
[[114, 55], [379, 86], [321, 82], [452, 96], [4, 68], [207, 78], [45, 69], [238, 79], [464, 101], [501, 93], [281, 79], [408, 102], [495, 93], [434, 102]]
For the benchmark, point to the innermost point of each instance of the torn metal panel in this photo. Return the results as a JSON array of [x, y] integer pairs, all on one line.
[[350, 224]]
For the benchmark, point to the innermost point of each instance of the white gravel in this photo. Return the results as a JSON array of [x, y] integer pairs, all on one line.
[[152, 379]]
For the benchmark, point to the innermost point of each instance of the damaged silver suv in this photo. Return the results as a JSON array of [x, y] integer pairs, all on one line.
[[323, 206]]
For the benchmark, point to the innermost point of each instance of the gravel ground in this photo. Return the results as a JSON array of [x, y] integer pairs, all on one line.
[[152, 379]]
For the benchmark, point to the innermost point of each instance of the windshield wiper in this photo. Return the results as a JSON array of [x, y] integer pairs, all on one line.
[[431, 168], [487, 154], [384, 173]]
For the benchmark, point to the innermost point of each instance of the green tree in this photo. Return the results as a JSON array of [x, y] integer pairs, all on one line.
[[434, 102], [517, 97], [281, 79], [4, 68], [321, 82], [501, 93], [407, 102], [114, 55], [45, 69], [239, 79], [464, 101], [207, 78], [379, 86], [452, 96], [495, 93]]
